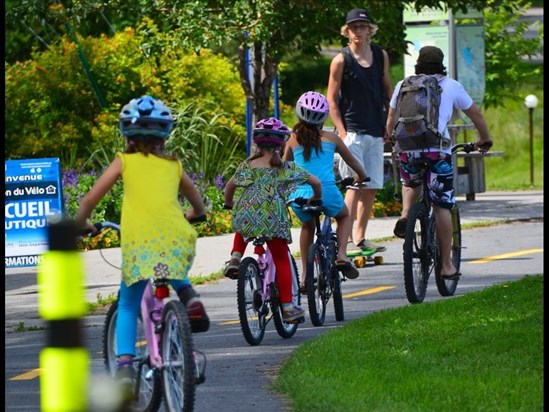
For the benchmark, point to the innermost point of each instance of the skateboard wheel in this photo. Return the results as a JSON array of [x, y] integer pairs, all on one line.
[[378, 260], [360, 262]]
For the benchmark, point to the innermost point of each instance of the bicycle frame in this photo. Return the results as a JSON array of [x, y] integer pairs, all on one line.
[[267, 268], [324, 235], [151, 311]]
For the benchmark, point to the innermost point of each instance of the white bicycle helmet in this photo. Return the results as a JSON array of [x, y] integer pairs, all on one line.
[[146, 116]]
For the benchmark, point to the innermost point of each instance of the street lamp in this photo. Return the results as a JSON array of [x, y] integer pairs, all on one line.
[[531, 102]]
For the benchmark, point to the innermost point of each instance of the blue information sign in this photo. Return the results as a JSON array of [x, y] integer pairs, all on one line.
[[33, 195]]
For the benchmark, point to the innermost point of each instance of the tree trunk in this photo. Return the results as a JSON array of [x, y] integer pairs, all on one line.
[[263, 72]]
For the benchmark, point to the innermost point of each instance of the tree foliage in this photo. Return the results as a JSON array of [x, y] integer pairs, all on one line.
[[51, 108], [272, 30]]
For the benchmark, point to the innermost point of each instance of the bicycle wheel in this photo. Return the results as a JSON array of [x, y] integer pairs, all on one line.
[[416, 254], [448, 287], [178, 372], [336, 282], [252, 311], [316, 286], [150, 390], [287, 330]]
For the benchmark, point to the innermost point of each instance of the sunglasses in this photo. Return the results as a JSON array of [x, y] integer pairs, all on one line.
[[356, 27]]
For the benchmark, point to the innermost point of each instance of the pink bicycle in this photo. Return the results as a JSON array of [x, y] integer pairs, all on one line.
[[258, 298], [168, 367]]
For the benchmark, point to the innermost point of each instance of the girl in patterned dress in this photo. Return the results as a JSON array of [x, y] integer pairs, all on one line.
[[260, 210], [157, 241]]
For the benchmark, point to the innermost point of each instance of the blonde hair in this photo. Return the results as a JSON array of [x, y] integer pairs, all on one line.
[[345, 29], [151, 146]]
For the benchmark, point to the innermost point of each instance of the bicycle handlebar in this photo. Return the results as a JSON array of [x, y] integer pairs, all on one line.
[[100, 226], [463, 147], [315, 206]]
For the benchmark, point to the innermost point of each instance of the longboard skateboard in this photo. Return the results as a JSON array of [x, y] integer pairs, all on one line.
[[361, 257]]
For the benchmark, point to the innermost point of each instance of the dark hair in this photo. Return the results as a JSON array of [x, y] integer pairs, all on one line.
[[276, 159], [308, 136], [430, 68]]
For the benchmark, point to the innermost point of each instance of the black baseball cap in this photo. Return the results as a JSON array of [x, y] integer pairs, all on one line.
[[430, 55], [357, 15]]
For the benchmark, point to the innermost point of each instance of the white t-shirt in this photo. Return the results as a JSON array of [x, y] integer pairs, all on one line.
[[453, 97]]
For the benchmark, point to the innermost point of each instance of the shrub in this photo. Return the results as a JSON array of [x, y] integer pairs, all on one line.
[[51, 107]]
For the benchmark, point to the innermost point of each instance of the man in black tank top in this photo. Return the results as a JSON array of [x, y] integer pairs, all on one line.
[[359, 89]]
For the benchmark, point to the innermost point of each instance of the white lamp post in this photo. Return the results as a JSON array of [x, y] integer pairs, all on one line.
[[531, 102]]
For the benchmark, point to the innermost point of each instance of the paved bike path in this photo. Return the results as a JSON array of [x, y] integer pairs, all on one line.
[[212, 252], [224, 343]]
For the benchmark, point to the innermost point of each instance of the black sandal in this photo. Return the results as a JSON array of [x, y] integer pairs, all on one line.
[[347, 269], [400, 227]]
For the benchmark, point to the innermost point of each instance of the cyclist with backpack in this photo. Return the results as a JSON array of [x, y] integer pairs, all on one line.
[[313, 149], [266, 182], [359, 89], [432, 141], [157, 240]]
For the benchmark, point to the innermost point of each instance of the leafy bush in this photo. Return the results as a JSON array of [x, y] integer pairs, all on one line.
[[51, 107], [76, 184]]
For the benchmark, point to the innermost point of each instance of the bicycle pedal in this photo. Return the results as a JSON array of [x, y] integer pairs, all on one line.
[[296, 321], [200, 367]]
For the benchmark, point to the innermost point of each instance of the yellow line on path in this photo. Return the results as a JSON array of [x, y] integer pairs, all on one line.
[[27, 375], [230, 322], [368, 291], [507, 255], [346, 296]]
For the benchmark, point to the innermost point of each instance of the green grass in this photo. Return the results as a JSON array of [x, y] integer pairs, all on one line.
[[479, 352]]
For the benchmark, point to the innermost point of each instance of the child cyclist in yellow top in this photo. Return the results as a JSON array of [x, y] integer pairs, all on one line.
[[313, 149], [157, 241], [261, 209]]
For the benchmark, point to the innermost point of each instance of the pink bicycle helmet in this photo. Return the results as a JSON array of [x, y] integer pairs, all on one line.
[[313, 108], [270, 131]]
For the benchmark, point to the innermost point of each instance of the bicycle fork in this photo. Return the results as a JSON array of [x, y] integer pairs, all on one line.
[[153, 332]]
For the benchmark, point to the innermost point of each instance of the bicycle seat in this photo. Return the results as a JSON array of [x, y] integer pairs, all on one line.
[[259, 240], [315, 208]]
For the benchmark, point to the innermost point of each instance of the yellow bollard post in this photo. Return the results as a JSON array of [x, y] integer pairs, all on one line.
[[64, 362]]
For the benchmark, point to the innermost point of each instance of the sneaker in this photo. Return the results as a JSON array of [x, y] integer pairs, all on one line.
[[352, 248], [125, 379], [200, 322], [367, 245], [231, 269], [400, 228], [294, 315]]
